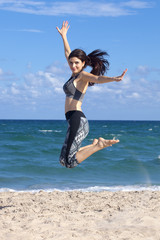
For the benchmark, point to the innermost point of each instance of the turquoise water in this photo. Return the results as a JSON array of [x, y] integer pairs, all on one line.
[[29, 157]]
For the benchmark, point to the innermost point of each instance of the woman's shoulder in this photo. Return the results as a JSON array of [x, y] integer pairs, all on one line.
[[84, 74], [89, 77]]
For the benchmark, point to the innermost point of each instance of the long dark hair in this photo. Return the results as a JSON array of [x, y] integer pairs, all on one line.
[[95, 60]]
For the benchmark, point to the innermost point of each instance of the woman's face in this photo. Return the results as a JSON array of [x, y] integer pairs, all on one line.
[[76, 65]]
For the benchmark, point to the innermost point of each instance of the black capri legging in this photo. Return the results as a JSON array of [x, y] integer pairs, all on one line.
[[78, 129]]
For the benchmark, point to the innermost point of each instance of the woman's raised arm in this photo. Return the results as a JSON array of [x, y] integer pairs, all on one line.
[[101, 79], [63, 32]]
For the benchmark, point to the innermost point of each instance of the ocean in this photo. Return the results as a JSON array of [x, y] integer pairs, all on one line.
[[29, 157]]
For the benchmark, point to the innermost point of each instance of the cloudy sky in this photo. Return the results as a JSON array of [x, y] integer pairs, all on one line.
[[33, 67]]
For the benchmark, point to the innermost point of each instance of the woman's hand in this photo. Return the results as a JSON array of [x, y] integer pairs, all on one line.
[[118, 79], [63, 32], [64, 29]]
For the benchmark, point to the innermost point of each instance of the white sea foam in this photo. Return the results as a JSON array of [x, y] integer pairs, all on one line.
[[7, 190], [120, 188], [129, 188], [44, 131], [116, 135], [150, 129]]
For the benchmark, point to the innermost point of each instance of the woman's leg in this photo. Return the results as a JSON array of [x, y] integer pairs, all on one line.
[[87, 151], [72, 154], [77, 130], [93, 143]]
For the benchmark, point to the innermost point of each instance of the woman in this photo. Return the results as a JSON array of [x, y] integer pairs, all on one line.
[[75, 89]]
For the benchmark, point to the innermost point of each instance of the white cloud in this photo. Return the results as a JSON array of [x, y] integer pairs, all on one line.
[[30, 30], [138, 4], [126, 80], [24, 30], [55, 69], [44, 88], [42, 84], [131, 90], [33, 87], [87, 8], [58, 90], [134, 95], [96, 88], [143, 70], [6, 76], [14, 90]]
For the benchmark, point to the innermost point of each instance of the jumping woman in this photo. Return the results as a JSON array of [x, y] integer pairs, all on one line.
[[75, 89]]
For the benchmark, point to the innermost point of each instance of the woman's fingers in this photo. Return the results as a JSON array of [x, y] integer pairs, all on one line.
[[58, 29], [121, 77], [124, 72], [64, 27]]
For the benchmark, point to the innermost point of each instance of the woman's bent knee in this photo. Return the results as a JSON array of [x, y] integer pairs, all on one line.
[[70, 163]]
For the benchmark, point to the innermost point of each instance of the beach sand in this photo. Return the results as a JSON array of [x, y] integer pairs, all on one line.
[[80, 216]]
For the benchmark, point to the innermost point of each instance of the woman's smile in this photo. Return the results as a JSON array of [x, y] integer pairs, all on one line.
[[75, 64]]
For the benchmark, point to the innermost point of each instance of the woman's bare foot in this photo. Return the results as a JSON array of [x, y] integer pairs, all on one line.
[[103, 143], [95, 141], [97, 145]]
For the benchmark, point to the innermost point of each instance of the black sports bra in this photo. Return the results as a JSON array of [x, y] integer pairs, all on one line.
[[71, 91]]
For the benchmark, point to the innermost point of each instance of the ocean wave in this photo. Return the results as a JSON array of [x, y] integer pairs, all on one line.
[[29, 157], [129, 188], [45, 131], [116, 135]]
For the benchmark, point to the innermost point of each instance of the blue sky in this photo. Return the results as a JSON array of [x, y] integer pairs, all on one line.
[[33, 67]]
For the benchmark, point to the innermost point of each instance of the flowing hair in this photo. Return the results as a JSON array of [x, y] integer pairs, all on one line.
[[95, 60]]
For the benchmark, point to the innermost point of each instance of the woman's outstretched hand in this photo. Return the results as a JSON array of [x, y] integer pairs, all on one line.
[[64, 29], [117, 79]]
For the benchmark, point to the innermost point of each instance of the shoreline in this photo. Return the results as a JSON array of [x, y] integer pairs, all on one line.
[[132, 215], [96, 189]]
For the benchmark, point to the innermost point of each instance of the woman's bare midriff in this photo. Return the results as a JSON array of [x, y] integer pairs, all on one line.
[[72, 104]]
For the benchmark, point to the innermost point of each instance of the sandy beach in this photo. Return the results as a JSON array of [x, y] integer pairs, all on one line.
[[80, 216]]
